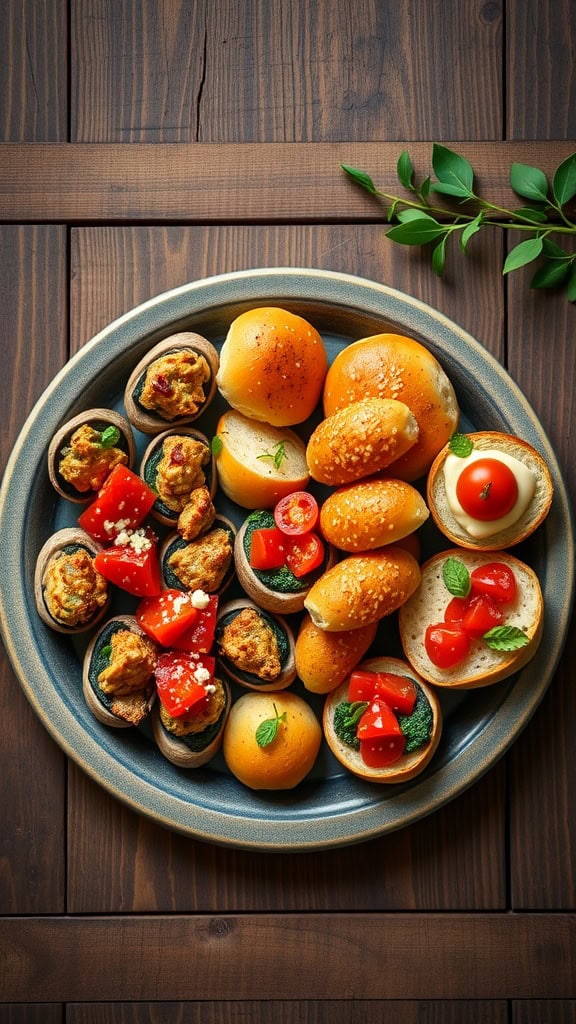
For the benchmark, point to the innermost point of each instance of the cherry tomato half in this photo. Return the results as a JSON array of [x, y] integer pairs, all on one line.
[[496, 580], [446, 645], [487, 489], [296, 513], [267, 548], [305, 554]]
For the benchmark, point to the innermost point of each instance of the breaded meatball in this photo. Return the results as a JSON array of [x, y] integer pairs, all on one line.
[[86, 462], [197, 515]]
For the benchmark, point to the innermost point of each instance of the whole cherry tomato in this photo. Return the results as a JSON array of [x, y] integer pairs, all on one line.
[[487, 489], [446, 645]]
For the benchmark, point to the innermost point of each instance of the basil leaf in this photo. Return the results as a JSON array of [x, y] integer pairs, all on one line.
[[460, 445], [453, 170], [360, 177], [532, 213], [216, 445], [564, 181], [456, 577], [522, 254], [405, 170], [529, 182], [506, 638], [268, 729], [458, 191], [571, 290], [109, 437]]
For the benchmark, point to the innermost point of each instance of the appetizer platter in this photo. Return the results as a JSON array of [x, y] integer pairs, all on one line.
[[326, 798]]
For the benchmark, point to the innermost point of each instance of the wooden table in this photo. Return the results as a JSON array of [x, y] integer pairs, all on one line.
[[147, 143]]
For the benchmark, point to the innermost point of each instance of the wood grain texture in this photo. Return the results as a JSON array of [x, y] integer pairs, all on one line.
[[541, 52], [446, 956], [215, 183], [33, 71], [36, 1013], [267, 71], [33, 328]]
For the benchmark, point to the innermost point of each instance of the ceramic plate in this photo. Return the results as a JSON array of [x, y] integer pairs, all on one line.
[[331, 808]]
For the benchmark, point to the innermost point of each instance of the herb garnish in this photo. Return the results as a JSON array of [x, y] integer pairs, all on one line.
[[277, 455], [268, 729], [109, 437], [460, 445]]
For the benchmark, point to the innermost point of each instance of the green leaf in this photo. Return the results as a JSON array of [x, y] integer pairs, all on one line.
[[452, 169], [471, 229], [425, 188], [532, 213], [456, 577], [405, 170], [412, 214], [506, 638], [458, 191], [418, 231], [355, 712], [268, 729], [109, 437], [360, 177], [551, 274], [529, 182], [571, 289], [522, 254], [460, 445], [216, 445], [564, 181], [553, 251], [439, 257]]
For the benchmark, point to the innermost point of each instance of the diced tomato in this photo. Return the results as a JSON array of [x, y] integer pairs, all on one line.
[[483, 614], [446, 645], [166, 615], [398, 691], [267, 548], [135, 569], [200, 636], [379, 753], [181, 681], [296, 513], [362, 685], [378, 720], [456, 609], [305, 554], [123, 503], [496, 580]]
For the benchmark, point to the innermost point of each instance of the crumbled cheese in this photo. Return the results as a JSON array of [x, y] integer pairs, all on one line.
[[201, 675], [136, 539], [200, 599], [115, 528]]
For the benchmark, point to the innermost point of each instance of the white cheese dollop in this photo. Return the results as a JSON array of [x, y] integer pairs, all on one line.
[[525, 478]]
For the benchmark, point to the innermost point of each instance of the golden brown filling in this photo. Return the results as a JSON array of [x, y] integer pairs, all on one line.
[[251, 645], [73, 590], [86, 462], [173, 384]]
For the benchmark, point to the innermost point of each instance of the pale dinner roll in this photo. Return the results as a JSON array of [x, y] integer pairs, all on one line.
[[516, 531], [258, 464], [483, 666], [371, 513], [363, 588], [272, 366], [360, 440], [323, 660], [394, 366]]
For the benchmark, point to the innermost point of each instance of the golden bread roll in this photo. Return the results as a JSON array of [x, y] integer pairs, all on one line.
[[258, 464], [323, 660], [496, 534], [272, 366], [360, 440], [483, 665], [394, 366], [363, 588], [372, 513], [411, 763]]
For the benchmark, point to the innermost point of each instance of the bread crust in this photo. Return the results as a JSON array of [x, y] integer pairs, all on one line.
[[409, 765], [531, 519], [246, 473], [371, 513], [323, 660], [482, 667], [363, 588], [359, 440]]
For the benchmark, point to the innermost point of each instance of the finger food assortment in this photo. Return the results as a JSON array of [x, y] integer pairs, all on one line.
[[335, 632]]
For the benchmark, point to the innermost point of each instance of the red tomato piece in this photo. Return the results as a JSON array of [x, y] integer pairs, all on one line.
[[487, 489], [181, 681], [267, 548], [362, 685], [166, 615], [377, 721], [379, 753], [496, 580], [123, 503], [446, 645], [456, 609], [483, 614], [133, 567], [305, 553], [399, 692], [199, 638], [296, 513]]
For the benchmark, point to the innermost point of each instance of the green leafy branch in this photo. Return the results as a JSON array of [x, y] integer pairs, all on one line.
[[543, 214]]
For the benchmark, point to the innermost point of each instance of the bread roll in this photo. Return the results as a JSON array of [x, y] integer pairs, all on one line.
[[371, 513], [394, 366], [483, 666], [360, 440], [520, 528], [272, 366], [409, 765], [258, 464], [362, 589], [323, 660]]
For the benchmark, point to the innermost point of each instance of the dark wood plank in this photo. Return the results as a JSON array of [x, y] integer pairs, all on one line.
[[33, 71], [32, 777], [232, 184], [298, 72], [453, 860], [539, 1011], [541, 48], [207, 958], [272, 1011], [36, 1013]]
